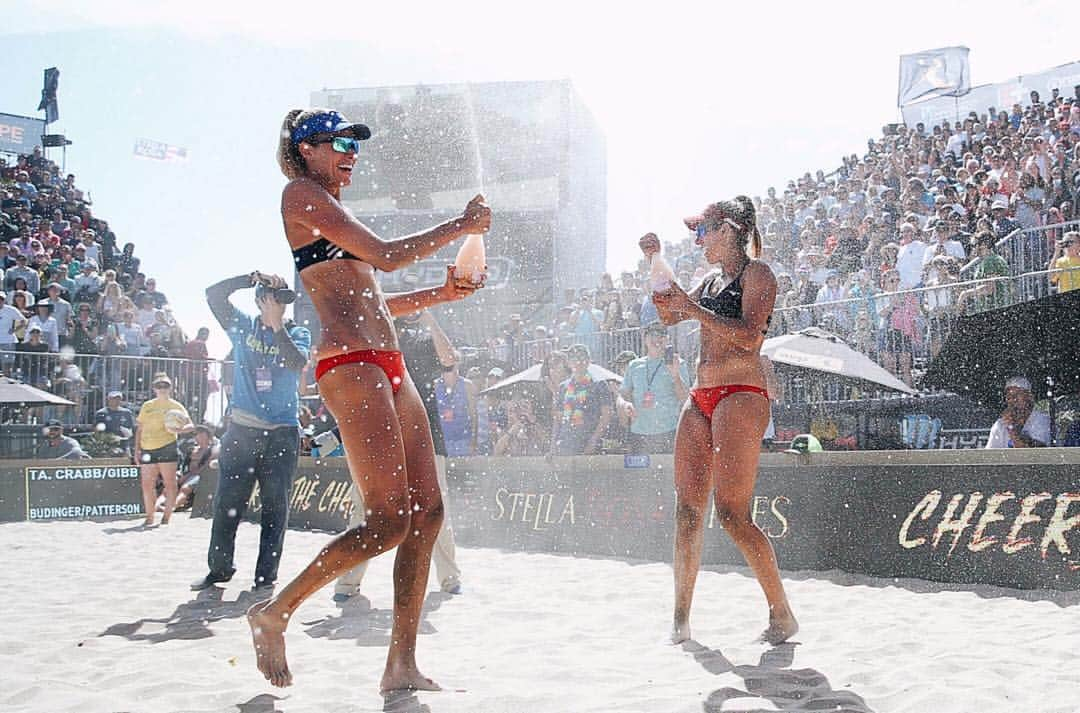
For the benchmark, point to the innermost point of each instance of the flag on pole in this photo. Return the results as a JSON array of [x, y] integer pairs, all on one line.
[[935, 73], [48, 95], [159, 151]]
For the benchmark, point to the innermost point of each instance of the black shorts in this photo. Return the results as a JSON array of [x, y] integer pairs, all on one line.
[[165, 454]]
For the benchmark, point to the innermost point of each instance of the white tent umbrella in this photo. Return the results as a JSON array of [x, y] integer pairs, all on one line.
[[818, 350], [15, 392], [532, 375]]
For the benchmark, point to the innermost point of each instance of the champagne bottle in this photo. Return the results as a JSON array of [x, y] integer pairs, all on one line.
[[661, 276], [471, 261]]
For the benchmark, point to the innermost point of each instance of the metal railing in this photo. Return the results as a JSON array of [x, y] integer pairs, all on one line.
[[1026, 251], [86, 379], [902, 331]]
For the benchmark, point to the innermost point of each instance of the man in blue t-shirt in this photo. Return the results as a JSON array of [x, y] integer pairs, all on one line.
[[263, 438], [652, 394]]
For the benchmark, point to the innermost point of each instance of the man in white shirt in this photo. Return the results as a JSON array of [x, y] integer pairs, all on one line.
[[955, 144], [1020, 425], [90, 246], [942, 243], [43, 320], [910, 259], [88, 283], [10, 320]]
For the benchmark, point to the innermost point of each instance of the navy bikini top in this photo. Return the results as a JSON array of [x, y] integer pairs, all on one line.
[[319, 251], [728, 301]]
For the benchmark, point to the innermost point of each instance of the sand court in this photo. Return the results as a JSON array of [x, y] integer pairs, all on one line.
[[100, 618]]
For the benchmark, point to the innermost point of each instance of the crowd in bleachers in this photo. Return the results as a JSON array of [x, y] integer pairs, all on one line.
[[880, 252], [923, 207], [70, 288]]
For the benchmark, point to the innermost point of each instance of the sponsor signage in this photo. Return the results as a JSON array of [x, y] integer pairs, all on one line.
[[970, 521], [81, 490], [20, 134]]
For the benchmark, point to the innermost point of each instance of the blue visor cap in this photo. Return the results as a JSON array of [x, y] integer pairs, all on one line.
[[329, 122]]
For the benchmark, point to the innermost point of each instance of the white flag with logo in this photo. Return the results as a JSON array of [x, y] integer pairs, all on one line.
[[934, 73], [159, 151]]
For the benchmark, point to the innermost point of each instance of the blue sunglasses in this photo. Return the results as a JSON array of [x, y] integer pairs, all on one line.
[[704, 227]]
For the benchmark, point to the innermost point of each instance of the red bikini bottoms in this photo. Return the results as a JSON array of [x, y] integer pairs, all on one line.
[[392, 364], [707, 398]]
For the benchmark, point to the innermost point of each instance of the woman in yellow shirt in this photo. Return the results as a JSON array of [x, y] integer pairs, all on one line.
[[1066, 255], [155, 446]]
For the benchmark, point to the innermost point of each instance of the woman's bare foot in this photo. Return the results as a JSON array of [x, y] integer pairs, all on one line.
[[148, 522], [405, 678], [781, 628], [680, 631], [268, 635]]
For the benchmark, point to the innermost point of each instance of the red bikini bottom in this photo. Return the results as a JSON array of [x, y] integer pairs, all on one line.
[[707, 398], [392, 364]]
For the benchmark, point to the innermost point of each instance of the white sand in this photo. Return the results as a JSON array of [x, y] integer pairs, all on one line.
[[531, 633]]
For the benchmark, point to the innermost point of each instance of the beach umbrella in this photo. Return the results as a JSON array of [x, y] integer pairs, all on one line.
[[15, 392], [815, 349], [527, 381], [1039, 339]]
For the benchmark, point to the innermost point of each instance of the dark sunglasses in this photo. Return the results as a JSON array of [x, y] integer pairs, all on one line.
[[162, 385], [340, 144]]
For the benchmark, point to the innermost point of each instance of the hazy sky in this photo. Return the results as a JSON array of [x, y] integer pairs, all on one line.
[[698, 100]]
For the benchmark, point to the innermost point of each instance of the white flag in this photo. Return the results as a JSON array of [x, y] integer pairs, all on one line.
[[934, 73]]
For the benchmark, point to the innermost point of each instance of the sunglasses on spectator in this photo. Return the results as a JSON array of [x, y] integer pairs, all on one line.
[[162, 385], [340, 144]]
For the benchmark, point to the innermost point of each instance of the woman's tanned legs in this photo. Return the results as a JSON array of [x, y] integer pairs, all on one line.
[[737, 426], [693, 483], [361, 400]]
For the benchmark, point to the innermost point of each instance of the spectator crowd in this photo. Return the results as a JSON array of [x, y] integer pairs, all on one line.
[[70, 289], [884, 251]]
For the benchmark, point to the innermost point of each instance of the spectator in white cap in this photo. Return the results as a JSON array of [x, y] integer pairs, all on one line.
[[1003, 224], [1020, 425]]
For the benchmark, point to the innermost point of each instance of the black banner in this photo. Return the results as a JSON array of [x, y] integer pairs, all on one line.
[[998, 521]]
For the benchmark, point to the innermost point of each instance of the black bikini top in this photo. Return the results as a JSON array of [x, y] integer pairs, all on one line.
[[728, 301], [319, 251]]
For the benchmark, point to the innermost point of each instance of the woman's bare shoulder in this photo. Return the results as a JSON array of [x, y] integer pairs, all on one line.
[[760, 270], [302, 188]]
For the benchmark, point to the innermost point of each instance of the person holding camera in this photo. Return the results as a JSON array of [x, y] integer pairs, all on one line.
[[262, 441], [1066, 257], [652, 394]]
